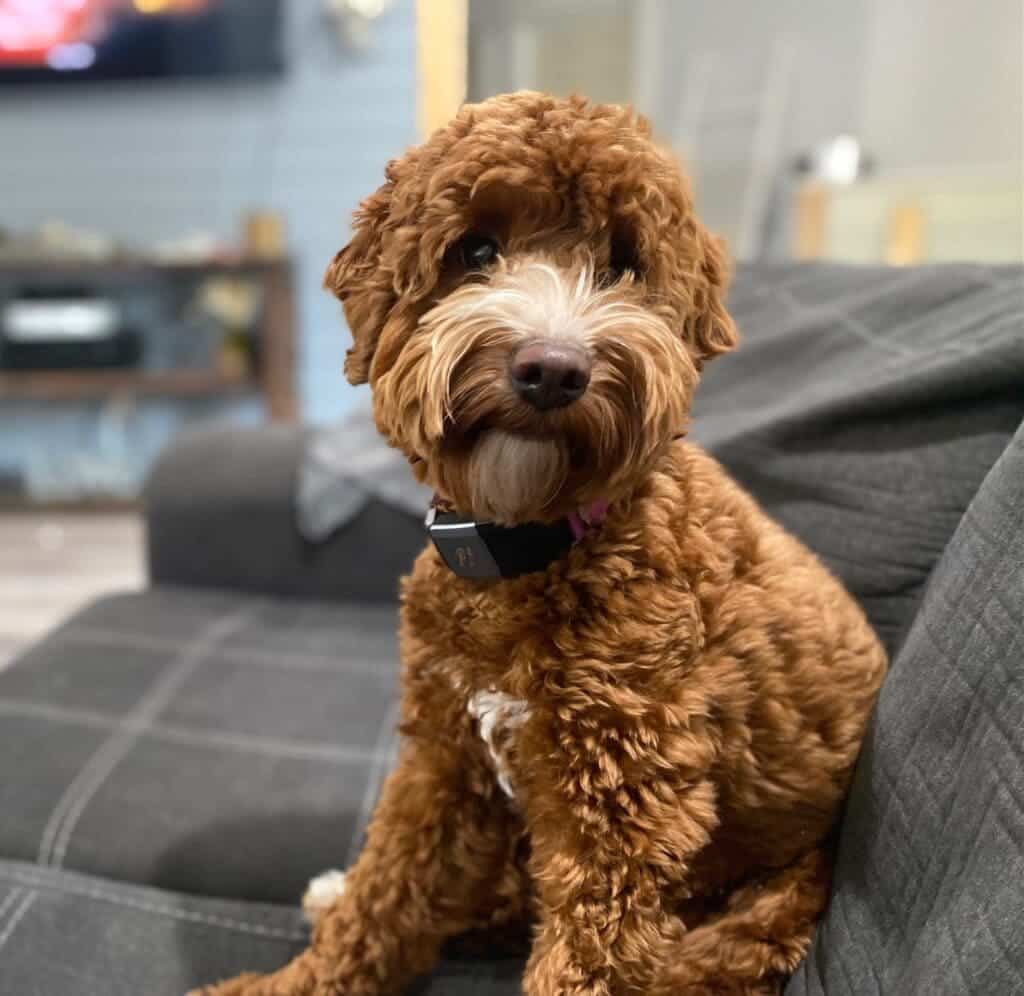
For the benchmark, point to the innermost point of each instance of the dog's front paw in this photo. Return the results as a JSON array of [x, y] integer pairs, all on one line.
[[255, 985], [300, 978], [245, 985], [321, 894]]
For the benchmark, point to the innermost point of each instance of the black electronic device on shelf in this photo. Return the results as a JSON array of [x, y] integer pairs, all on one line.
[[67, 328]]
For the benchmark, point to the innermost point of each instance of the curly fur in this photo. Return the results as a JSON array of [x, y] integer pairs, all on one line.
[[688, 687]]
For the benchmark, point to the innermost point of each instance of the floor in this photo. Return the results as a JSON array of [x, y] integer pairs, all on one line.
[[52, 564]]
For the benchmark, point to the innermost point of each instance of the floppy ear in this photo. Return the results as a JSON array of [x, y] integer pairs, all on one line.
[[357, 278], [710, 330]]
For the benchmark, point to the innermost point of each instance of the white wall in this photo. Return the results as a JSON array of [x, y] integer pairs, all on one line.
[[944, 83], [926, 83], [828, 39]]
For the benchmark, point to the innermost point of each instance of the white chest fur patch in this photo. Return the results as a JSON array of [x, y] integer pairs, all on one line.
[[499, 716]]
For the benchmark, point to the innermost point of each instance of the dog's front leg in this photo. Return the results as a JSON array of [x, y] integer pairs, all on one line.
[[438, 839], [615, 815]]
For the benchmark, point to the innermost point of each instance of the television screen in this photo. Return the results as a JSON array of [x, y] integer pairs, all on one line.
[[60, 40]]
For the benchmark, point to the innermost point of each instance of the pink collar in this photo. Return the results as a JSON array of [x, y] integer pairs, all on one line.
[[584, 519]]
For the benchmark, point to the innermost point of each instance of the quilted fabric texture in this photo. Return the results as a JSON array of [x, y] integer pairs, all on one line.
[[189, 739], [65, 934], [863, 409], [929, 895]]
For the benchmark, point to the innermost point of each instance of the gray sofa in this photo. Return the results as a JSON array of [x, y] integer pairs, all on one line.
[[176, 763]]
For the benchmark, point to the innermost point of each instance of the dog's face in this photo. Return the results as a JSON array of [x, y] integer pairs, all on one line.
[[531, 298]]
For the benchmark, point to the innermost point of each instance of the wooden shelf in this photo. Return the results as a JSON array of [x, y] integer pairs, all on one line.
[[78, 385], [276, 332], [129, 267]]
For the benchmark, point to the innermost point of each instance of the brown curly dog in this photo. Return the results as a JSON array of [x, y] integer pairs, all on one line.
[[643, 745]]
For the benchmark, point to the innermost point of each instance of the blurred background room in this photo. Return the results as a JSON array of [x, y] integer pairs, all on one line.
[[176, 174]]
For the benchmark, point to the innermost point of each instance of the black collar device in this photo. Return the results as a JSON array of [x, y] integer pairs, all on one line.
[[486, 550]]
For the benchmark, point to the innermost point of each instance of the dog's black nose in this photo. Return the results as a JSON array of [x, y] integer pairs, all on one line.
[[550, 374]]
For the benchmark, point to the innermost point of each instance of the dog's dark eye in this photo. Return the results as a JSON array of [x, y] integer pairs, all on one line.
[[478, 251], [623, 258]]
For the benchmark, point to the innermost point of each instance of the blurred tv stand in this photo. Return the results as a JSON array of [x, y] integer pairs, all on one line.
[[272, 379]]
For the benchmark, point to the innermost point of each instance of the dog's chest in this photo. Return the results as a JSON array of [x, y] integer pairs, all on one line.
[[499, 718]]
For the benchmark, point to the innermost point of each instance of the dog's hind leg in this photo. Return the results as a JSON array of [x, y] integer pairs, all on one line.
[[757, 940]]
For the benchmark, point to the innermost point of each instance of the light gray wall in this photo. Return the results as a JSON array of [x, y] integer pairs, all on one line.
[[827, 38], [926, 83], [828, 35], [944, 83]]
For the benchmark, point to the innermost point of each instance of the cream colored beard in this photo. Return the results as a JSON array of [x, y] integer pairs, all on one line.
[[513, 478], [512, 475]]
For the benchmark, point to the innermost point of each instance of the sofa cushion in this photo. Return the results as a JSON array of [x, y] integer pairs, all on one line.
[[189, 739], [220, 513], [863, 409], [929, 887], [75, 935]]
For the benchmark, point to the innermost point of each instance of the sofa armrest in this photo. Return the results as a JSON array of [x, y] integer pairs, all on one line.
[[220, 513]]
